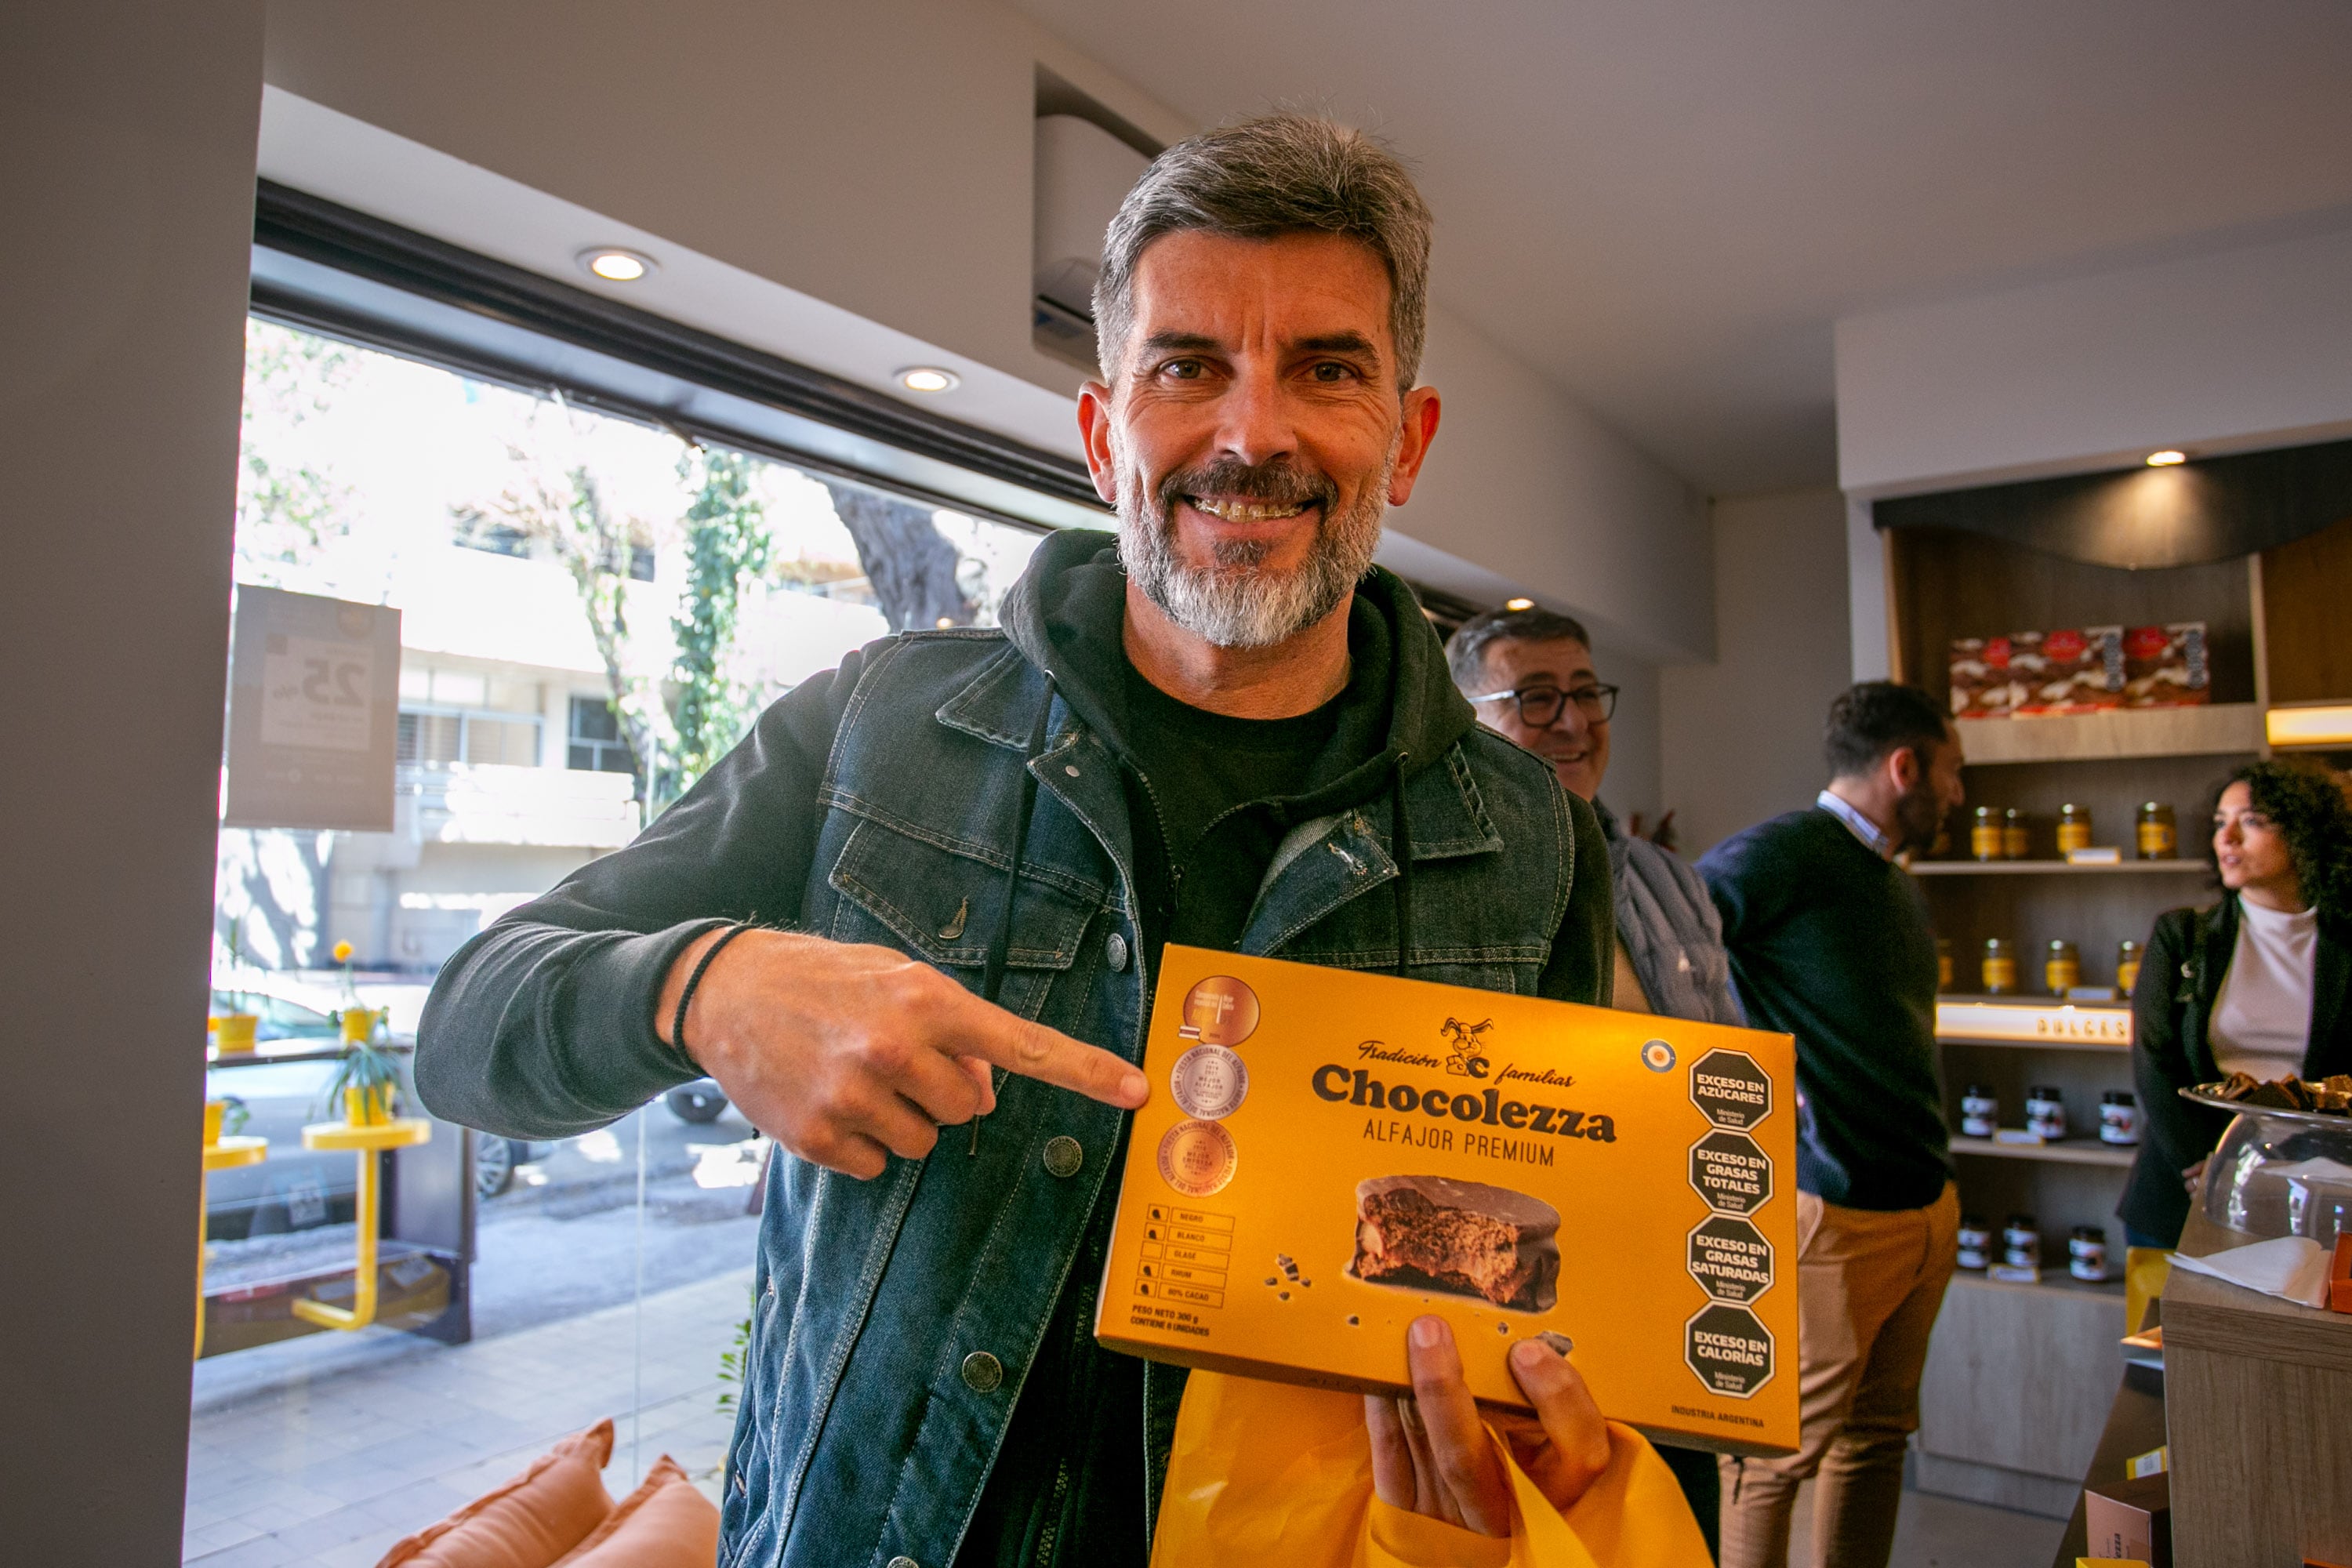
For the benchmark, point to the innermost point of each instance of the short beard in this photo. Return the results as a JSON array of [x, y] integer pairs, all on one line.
[[1918, 816], [1235, 602]]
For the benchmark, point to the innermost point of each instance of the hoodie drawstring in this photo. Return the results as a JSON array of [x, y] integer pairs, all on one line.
[[1000, 938], [1400, 846]]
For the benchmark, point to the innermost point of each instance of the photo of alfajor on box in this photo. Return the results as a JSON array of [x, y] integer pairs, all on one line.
[[1327, 1155]]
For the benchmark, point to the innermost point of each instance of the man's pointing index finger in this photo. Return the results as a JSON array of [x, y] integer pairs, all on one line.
[[1033, 1050]]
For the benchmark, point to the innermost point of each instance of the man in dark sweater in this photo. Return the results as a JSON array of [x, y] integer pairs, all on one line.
[[1828, 941]]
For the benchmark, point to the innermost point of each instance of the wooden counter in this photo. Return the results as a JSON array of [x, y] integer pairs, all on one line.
[[2258, 1407]]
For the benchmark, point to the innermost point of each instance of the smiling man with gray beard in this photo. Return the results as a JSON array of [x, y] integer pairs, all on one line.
[[931, 888]]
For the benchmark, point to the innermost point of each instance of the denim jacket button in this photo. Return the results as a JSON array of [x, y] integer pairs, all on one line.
[[1115, 953], [903, 1561], [982, 1372], [1064, 1155]]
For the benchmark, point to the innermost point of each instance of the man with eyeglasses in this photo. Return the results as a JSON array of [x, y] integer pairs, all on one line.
[[1530, 673]]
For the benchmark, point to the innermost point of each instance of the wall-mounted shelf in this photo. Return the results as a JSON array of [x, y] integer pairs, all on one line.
[[2213, 729], [2020, 1021], [2004, 1041], [2276, 635], [2053, 868], [2072, 1152], [2053, 1279]]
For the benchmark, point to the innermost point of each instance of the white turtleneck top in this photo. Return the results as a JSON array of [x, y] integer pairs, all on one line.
[[2262, 1019]]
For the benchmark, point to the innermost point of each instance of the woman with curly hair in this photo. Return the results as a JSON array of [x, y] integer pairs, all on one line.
[[2260, 983]]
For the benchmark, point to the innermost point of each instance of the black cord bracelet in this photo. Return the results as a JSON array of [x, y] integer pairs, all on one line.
[[693, 980]]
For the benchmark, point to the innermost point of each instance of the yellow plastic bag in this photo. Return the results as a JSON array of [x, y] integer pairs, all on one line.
[[1263, 1472]]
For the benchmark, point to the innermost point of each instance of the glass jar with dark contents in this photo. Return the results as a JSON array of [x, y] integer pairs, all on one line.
[[2021, 1242], [1976, 1242], [2016, 835]]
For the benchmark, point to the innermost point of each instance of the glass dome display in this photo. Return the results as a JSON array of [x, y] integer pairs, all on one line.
[[2279, 1173]]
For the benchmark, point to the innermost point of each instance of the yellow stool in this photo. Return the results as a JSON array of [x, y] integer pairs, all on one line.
[[366, 1142], [2146, 1268], [225, 1155]]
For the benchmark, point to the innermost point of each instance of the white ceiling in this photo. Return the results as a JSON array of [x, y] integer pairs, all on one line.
[[1666, 203]]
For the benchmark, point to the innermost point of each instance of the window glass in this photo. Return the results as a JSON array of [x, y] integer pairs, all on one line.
[[592, 612]]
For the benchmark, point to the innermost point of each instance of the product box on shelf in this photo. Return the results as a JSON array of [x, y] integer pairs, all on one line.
[[2166, 666], [2025, 674], [1329, 1154], [1981, 678], [2081, 672], [2131, 1520]]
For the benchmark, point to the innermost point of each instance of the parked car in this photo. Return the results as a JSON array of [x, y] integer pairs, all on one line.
[[700, 1101], [294, 1188]]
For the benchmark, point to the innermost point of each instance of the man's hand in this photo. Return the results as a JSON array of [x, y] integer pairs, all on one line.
[[848, 1054], [2191, 1175], [1430, 1451]]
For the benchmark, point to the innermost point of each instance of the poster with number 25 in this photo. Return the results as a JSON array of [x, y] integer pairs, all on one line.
[[313, 712]]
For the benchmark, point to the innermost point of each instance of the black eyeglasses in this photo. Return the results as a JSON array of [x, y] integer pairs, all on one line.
[[1540, 706]]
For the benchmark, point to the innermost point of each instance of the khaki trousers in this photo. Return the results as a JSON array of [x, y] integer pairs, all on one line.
[[1869, 1284]]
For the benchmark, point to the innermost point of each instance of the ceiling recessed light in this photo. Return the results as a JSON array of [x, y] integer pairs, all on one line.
[[614, 265], [929, 378], [2165, 458], [1518, 604]]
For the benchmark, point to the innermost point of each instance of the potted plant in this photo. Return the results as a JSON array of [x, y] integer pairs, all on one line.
[[359, 1024], [366, 1077], [233, 1030], [224, 1117]]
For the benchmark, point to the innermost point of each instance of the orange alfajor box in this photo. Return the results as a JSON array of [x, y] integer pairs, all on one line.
[[1327, 1155]]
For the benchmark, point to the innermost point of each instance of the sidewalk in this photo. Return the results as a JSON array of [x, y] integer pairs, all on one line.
[[299, 1457]]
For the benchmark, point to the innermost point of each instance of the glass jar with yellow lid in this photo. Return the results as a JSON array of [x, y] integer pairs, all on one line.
[[1984, 833], [2073, 828], [2127, 966], [1998, 971]]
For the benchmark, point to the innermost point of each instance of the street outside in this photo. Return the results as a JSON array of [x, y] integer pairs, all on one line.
[[323, 1448], [565, 1238]]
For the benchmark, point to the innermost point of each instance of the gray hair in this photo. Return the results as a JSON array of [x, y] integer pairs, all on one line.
[[1277, 174], [1466, 651]]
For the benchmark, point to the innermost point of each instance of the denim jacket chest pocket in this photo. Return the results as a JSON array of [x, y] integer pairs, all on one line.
[[940, 901]]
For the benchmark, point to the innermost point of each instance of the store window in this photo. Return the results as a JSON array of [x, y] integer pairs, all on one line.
[[596, 743], [594, 608]]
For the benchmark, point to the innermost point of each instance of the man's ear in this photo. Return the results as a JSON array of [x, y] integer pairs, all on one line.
[[1094, 433], [1417, 427], [1903, 769]]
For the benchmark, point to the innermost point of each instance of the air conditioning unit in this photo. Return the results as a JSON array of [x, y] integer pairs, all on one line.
[[1083, 174]]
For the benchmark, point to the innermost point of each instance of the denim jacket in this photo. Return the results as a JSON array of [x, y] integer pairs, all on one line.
[[895, 1318]]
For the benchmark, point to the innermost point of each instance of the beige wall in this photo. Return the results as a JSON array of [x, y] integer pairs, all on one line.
[[1742, 735], [1635, 735], [128, 190], [878, 157], [2239, 349]]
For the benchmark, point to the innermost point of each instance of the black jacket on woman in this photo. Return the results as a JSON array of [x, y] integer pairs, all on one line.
[[2180, 974]]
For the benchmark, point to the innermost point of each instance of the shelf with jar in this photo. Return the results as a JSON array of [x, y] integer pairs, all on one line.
[[2065, 1152], [2055, 867], [2029, 1021], [2052, 1020], [2215, 729]]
